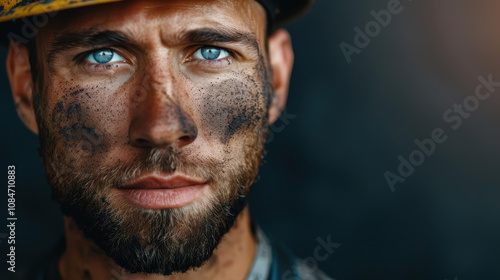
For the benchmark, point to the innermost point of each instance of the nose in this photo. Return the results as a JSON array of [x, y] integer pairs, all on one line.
[[160, 123]]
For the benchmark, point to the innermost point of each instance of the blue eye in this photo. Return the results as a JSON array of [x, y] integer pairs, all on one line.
[[103, 56], [210, 53]]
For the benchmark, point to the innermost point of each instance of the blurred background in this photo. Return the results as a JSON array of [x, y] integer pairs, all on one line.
[[359, 99]]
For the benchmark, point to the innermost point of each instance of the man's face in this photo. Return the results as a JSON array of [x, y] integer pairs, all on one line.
[[152, 89]]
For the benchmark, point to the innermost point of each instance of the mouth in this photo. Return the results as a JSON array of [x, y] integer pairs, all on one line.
[[157, 191]]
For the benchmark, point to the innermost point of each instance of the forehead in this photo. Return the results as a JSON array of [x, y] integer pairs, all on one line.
[[145, 20]]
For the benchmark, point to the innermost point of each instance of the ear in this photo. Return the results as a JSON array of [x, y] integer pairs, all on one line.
[[21, 83], [281, 57]]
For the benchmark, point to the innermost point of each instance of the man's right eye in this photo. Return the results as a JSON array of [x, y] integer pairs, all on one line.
[[103, 56]]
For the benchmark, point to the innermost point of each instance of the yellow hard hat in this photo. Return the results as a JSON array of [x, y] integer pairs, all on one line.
[[280, 12]]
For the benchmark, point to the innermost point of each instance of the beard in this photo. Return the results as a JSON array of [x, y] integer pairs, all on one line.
[[160, 241]]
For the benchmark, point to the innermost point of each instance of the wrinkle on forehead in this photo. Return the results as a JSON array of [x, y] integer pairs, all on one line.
[[170, 17], [246, 13]]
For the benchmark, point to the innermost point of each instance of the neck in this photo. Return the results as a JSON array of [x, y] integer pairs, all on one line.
[[232, 259]]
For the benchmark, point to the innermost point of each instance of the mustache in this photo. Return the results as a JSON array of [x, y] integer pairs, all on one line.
[[165, 161], [98, 181]]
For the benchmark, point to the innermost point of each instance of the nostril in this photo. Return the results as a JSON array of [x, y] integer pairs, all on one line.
[[141, 142], [184, 140]]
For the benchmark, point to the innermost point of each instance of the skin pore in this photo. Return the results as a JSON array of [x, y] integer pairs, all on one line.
[[157, 107]]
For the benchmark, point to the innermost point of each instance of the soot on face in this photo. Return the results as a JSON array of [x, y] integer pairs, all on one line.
[[232, 106], [236, 104], [71, 124], [228, 107]]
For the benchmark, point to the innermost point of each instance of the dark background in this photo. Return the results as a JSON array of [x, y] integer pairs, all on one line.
[[324, 172]]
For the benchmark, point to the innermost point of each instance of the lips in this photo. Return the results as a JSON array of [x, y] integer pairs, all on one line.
[[162, 182], [157, 191]]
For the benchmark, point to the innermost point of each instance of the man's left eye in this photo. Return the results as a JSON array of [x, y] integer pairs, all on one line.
[[210, 53], [103, 56]]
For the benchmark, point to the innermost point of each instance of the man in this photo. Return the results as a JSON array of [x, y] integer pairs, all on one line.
[[151, 117]]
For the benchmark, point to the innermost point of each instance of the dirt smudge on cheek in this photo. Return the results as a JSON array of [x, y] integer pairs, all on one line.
[[237, 104], [229, 107], [73, 125]]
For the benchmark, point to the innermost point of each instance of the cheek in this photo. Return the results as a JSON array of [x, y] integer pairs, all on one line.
[[81, 117], [231, 107], [83, 103]]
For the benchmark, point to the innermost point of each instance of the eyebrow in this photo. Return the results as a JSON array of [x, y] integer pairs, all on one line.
[[85, 38], [222, 35], [99, 38]]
